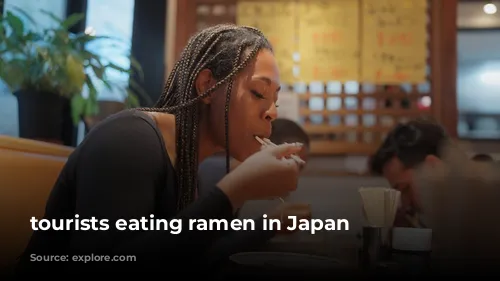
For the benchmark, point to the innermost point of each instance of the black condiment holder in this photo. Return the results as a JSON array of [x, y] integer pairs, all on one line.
[[376, 247], [376, 254]]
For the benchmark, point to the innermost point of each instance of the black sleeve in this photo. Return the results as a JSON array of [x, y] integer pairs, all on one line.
[[118, 173]]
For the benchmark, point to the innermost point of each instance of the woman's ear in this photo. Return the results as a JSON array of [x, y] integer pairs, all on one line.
[[203, 82]]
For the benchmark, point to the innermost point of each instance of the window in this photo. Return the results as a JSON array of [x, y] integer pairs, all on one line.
[[113, 18], [33, 9], [478, 84]]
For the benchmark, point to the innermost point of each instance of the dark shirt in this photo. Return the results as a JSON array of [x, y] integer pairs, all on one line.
[[210, 172], [122, 171]]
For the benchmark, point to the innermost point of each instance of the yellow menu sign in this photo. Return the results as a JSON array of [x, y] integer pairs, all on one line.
[[276, 20], [329, 40], [394, 41]]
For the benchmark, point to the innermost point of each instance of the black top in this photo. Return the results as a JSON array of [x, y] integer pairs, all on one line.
[[122, 171], [210, 172]]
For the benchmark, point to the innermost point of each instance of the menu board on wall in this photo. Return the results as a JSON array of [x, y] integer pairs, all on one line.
[[394, 41], [277, 20], [329, 40]]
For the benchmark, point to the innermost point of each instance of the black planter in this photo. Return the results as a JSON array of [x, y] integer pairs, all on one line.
[[45, 116]]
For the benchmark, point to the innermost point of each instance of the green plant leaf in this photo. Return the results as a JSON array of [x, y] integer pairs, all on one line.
[[52, 16], [98, 70], [137, 88], [91, 108], [72, 20], [86, 38], [75, 72], [107, 84], [15, 23], [117, 67], [132, 100], [27, 16], [138, 68], [78, 104]]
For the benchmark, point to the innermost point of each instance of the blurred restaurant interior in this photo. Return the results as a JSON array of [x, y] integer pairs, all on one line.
[[442, 64]]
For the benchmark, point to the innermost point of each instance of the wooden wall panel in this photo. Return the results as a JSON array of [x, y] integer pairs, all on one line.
[[353, 117]]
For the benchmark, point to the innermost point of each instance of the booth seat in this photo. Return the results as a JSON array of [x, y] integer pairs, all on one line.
[[28, 171]]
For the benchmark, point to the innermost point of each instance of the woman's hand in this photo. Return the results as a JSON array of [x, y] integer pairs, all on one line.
[[267, 173]]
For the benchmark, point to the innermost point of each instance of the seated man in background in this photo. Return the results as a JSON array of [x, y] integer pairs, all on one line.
[[459, 197], [456, 196], [406, 147], [285, 130]]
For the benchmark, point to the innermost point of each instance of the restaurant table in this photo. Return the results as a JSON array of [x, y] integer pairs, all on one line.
[[347, 250]]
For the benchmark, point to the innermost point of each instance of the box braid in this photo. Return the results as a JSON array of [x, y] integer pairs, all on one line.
[[225, 50]]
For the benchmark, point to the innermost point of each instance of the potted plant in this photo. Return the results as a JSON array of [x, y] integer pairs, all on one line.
[[50, 71]]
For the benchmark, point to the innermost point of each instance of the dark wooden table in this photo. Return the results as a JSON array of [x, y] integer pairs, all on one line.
[[347, 250]]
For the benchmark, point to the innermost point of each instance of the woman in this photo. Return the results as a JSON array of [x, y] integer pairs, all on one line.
[[220, 94]]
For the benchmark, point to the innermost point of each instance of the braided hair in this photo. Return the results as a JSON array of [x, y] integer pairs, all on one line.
[[225, 50]]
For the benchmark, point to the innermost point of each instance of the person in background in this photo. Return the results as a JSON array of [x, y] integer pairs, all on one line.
[[482, 158], [289, 131], [454, 196], [141, 162], [406, 147], [459, 197]]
